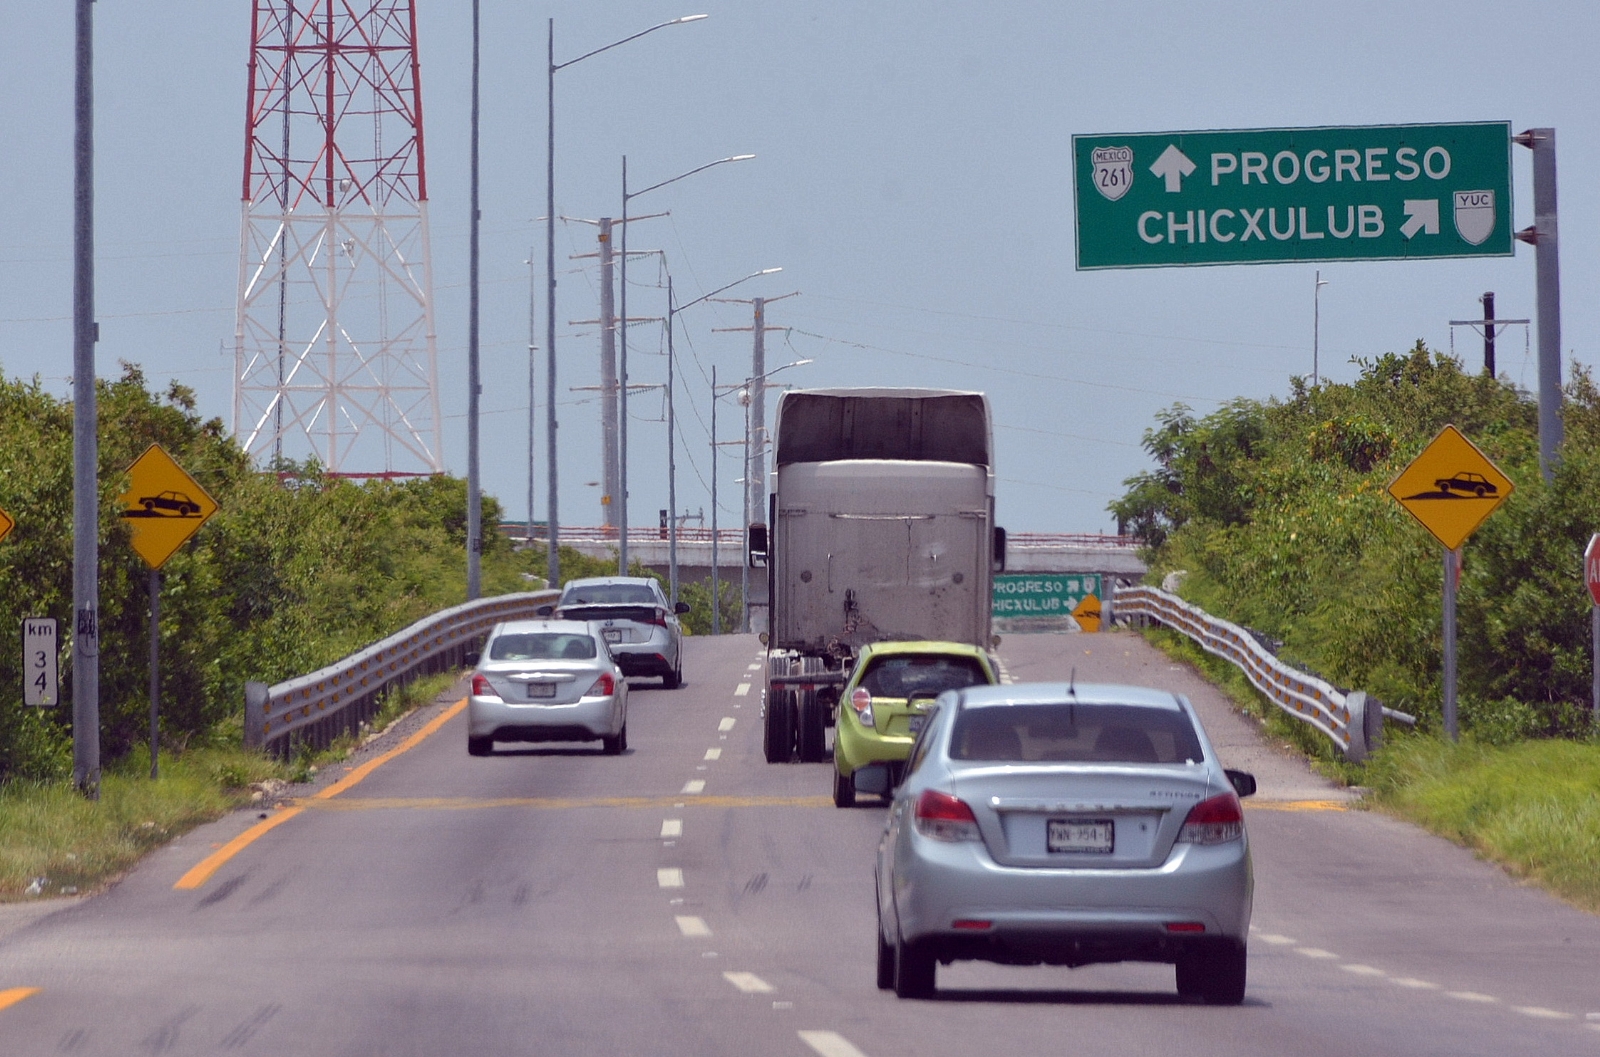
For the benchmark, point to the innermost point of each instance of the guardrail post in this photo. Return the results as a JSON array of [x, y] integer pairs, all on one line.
[[256, 696]]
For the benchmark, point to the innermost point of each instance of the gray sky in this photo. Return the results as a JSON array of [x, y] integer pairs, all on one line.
[[913, 180]]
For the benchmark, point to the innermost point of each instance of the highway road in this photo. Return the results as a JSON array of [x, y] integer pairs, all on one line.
[[688, 899]]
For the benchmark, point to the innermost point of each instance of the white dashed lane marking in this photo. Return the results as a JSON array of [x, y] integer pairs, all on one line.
[[741, 690], [692, 926], [672, 827], [749, 983], [1315, 952], [1543, 1013], [669, 877], [830, 1044], [1362, 970], [726, 724], [1414, 983], [1273, 938], [1471, 996], [694, 785], [754, 668], [713, 754]]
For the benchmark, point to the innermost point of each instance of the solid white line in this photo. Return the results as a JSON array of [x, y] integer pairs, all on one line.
[[669, 877], [1543, 1013], [672, 827], [694, 785], [726, 724], [1471, 996], [692, 926], [749, 983], [830, 1044], [713, 754], [1315, 952], [741, 690], [1363, 970]]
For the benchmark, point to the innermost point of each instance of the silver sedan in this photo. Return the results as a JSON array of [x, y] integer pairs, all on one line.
[[1066, 825], [546, 680]]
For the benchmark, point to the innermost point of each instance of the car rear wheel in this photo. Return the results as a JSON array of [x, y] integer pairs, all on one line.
[[673, 679], [778, 734], [1214, 974], [480, 746], [885, 962], [844, 791], [914, 969], [616, 745]]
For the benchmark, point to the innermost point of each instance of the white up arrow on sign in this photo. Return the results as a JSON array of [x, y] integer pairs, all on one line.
[[1174, 165], [1423, 214]]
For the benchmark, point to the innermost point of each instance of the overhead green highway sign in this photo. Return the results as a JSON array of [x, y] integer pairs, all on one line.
[[1257, 196]]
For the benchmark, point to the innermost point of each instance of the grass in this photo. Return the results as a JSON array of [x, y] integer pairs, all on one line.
[[1532, 807], [51, 834]]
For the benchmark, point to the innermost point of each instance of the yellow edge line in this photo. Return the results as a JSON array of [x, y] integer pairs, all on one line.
[[15, 995], [201, 872], [1297, 805]]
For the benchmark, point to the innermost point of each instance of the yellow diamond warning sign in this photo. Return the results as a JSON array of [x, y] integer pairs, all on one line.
[[6, 524], [164, 506], [1087, 614], [1451, 487]]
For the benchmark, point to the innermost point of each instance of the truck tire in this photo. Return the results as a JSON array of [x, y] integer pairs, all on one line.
[[812, 732], [778, 733]]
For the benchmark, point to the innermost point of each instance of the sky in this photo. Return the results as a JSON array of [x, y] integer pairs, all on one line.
[[913, 179]]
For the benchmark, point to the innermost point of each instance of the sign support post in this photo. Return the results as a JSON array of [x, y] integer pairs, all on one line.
[[1452, 576], [1547, 291], [155, 673]]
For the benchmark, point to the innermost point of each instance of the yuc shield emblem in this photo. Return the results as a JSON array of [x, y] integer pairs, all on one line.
[[1474, 215], [1113, 171]]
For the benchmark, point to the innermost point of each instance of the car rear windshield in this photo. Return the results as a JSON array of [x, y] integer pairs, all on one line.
[[907, 674], [609, 594], [1073, 733], [542, 646]]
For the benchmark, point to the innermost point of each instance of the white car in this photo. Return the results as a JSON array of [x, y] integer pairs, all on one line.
[[1066, 825], [638, 624], [546, 680]]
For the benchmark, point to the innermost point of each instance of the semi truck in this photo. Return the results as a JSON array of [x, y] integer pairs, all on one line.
[[880, 528]]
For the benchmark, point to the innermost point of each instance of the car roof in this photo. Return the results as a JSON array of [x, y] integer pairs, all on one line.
[[567, 627], [592, 581], [1090, 694], [960, 649]]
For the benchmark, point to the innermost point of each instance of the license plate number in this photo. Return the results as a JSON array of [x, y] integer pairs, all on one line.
[[1094, 835], [538, 690], [612, 636]]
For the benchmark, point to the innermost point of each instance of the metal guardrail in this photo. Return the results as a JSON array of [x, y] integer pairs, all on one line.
[[1353, 721], [335, 700]]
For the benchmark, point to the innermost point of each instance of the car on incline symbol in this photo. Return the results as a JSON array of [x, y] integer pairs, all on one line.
[[1475, 483], [165, 504]]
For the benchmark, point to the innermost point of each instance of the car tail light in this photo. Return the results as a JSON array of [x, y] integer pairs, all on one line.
[[659, 619], [481, 687], [604, 686], [973, 924], [943, 817], [1186, 926], [1214, 821], [861, 701]]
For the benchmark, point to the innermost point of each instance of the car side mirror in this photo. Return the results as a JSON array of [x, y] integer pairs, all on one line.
[[756, 545], [681, 608], [1244, 783], [472, 657], [545, 611], [999, 549]]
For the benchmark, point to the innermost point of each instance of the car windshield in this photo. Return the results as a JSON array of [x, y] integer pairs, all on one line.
[[609, 594], [542, 646], [907, 674], [1073, 733]]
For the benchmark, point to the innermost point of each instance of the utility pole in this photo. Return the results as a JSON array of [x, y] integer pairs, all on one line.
[[1487, 301], [85, 423], [608, 378], [474, 385], [533, 393]]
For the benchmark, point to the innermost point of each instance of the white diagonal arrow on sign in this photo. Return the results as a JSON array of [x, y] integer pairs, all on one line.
[[1174, 165], [1424, 216]]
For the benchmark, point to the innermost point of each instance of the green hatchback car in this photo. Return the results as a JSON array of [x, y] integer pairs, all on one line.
[[882, 705]]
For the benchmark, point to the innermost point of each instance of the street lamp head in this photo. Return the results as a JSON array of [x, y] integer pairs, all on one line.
[[740, 157], [769, 271], [687, 18]]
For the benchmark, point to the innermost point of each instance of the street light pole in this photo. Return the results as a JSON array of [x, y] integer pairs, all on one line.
[[1316, 326], [622, 359], [550, 269], [474, 385]]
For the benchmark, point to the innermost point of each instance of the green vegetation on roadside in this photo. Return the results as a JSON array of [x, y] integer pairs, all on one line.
[[1276, 513]]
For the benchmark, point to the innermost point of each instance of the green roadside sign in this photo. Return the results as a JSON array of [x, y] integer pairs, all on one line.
[[1042, 594], [1258, 196]]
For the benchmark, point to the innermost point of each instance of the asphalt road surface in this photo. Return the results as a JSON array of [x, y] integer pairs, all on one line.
[[688, 899]]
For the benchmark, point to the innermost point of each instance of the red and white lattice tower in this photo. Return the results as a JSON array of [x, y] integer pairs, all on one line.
[[334, 350]]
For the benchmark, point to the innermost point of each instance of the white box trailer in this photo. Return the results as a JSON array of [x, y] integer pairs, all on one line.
[[881, 528]]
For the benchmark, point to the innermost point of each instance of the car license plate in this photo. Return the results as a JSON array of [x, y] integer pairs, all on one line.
[[917, 723], [1094, 835], [538, 690], [612, 636]]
